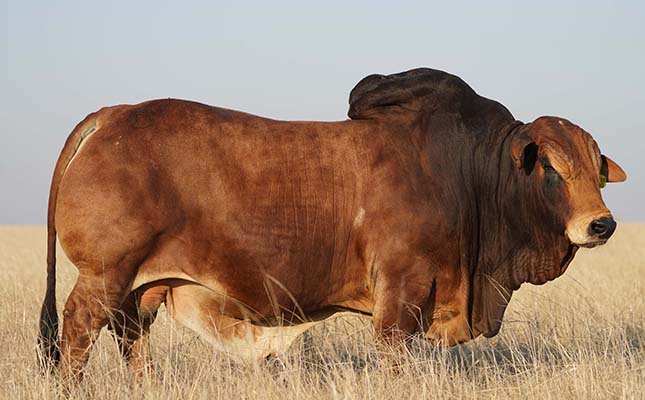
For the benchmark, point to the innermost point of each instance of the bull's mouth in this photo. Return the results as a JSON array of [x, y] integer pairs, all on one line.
[[594, 242], [591, 245]]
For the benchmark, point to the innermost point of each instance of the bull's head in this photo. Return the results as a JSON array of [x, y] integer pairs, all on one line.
[[567, 171], [556, 208]]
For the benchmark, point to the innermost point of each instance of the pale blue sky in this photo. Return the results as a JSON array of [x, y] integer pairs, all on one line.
[[583, 61]]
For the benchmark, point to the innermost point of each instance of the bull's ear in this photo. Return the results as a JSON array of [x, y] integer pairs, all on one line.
[[612, 171], [525, 152]]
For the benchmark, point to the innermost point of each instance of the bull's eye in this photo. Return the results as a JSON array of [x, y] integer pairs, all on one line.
[[551, 177]]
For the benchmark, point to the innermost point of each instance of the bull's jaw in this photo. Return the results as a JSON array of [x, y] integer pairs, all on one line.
[[545, 260]]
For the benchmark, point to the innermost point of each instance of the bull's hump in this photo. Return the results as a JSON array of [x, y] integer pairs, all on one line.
[[420, 90], [412, 90]]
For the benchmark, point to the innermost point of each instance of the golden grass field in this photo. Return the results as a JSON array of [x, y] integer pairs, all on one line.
[[581, 336]]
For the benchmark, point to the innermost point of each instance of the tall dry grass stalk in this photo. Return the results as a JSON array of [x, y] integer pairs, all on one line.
[[581, 336]]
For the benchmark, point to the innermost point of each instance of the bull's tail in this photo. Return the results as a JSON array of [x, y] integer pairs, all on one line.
[[48, 339]]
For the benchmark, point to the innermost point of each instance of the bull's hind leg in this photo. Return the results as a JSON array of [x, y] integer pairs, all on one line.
[[88, 308], [100, 290], [131, 327], [106, 227]]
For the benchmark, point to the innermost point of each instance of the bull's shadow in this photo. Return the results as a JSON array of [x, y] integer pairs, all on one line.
[[351, 344]]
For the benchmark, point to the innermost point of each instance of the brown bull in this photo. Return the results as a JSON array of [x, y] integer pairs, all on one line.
[[425, 210]]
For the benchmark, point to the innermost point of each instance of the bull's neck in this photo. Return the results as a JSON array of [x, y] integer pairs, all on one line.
[[497, 191]]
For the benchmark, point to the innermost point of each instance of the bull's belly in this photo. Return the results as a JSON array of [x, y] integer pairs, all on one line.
[[206, 306], [204, 311]]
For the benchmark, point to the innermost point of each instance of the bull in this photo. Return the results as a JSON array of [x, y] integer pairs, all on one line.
[[425, 210]]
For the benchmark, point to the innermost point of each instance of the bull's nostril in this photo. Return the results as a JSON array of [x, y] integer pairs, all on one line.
[[598, 227], [603, 227]]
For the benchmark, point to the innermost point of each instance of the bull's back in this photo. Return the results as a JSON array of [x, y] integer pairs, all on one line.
[[237, 202]]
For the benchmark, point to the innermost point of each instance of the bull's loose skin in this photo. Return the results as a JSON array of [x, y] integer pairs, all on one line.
[[425, 210]]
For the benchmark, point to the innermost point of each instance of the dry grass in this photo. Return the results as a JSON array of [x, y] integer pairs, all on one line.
[[582, 336]]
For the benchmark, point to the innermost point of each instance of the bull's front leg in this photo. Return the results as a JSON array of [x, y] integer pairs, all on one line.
[[400, 296]]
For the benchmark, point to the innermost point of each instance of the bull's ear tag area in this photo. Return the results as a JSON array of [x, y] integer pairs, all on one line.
[[603, 181]]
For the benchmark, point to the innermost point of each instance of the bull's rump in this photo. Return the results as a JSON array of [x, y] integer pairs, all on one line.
[[235, 202]]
